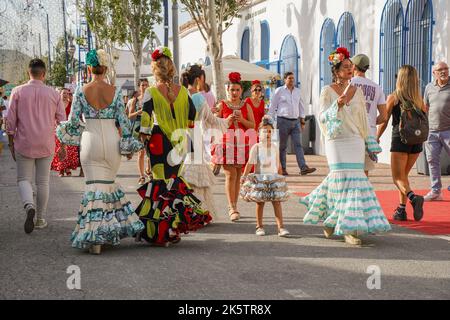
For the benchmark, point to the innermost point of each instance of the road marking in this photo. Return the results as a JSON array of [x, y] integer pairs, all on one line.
[[445, 237], [298, 293]]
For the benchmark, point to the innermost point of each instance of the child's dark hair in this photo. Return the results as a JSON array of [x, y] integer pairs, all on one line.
[[191, 74], [266, 121]]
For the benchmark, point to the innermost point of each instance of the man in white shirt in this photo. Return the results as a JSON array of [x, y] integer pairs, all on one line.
[[375, 99], [287, 107]]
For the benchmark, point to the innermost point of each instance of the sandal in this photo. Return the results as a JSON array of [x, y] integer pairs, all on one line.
[[234, 215], [68, 173], [141, 181]]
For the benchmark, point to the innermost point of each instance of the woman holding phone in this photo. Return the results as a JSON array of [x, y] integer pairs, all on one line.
[[232, 152]]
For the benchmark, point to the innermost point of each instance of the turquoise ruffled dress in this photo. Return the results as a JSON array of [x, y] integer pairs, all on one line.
[[346, 200], [104, 136]]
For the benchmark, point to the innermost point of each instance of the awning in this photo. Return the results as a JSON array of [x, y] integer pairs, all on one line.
[[248, 71]]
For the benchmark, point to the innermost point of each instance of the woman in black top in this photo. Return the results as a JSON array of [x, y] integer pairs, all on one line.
[[403, 156]]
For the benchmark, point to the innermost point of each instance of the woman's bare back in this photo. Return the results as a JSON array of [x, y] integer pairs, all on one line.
[[99, 95]]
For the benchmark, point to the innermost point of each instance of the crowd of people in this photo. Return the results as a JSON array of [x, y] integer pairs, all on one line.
[[185, 133]]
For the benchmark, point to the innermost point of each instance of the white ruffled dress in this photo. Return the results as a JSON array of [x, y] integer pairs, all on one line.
[[196, 170], [105, 215], [346, 200]]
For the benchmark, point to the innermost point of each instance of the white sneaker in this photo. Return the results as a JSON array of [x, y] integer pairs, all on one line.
[[433, 196], [260, 232], [40, 224], [283, 233]]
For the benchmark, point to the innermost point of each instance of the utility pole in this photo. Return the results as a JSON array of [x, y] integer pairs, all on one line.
[[49, 53], [40, 46], [175, 36], [65, 40], [89, 37], [166, 22]]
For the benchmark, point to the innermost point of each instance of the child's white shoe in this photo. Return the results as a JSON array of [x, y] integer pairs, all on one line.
[[260, 232], [40, 224], [283, 232]]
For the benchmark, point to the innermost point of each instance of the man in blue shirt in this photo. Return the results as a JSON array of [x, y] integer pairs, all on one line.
[[287, 107]]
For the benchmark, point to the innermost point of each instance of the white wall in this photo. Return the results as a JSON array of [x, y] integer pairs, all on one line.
[[303, 20]]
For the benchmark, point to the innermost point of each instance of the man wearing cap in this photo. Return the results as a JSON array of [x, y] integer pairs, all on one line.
[[375, 99], [437, 100]]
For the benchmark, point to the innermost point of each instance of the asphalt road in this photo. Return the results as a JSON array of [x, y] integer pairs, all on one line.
[[221, 262]]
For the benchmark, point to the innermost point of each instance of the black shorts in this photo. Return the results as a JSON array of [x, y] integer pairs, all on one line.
[[398, 146]]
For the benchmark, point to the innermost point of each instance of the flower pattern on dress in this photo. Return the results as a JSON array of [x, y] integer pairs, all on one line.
[[69, 132], [332, 121]]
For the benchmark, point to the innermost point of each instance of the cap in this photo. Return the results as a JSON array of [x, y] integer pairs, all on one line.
[[361, 61]]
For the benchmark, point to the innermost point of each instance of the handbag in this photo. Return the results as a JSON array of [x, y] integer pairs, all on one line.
[[413, 127]]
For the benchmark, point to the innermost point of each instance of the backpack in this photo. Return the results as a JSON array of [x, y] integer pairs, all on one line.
[[413, 126]]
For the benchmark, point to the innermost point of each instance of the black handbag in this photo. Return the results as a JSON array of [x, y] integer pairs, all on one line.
[[413, 128]]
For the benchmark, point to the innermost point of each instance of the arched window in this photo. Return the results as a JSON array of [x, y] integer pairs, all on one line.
[[289, 57], [391, 44], [327, 45], [265, 42], [245, 45], [419, 31], [346, 33]]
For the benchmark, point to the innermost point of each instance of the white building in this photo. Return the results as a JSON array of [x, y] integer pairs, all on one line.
[[286, 35], [125, 69]]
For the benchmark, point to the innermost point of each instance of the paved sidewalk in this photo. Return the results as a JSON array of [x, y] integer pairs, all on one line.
[[222, 261]]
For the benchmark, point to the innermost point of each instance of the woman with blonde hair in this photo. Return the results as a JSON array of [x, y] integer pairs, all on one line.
[[403, 156], [169, 207], [105, 215]]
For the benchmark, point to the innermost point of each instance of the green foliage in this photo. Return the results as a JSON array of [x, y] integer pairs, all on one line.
[[122, 21], [58, 76], [226, 11]]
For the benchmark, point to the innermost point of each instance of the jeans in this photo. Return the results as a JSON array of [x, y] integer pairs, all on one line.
[[436, 141], [25, 168], [291, 128]]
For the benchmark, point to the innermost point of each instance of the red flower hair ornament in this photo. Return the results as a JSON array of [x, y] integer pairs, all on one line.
[[160, 52], [256, 82], [339, 55], [234, 77]]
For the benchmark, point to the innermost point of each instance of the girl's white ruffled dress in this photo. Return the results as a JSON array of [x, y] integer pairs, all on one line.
[[265, 185], [105, 215], [346, 200]]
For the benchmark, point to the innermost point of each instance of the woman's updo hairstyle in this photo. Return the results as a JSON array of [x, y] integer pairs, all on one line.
[[164, 69], [335, 59], [98, 60], [191, 74], [234, 78]]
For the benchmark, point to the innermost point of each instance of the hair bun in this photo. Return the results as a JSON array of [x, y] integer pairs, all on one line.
[[267, 120], [234, 77], [103, 58]]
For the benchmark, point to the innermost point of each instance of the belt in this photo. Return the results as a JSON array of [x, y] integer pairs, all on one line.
[[287, 119]]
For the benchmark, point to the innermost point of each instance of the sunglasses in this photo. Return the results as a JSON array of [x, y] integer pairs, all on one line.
[[257, 90]]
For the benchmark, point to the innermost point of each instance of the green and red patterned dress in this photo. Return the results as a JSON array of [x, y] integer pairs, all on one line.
[[169, 207]]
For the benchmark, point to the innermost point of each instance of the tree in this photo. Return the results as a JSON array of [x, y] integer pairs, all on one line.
[[133, 22], [126, 22], [97, 13], [58, 76], [214, 18]]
